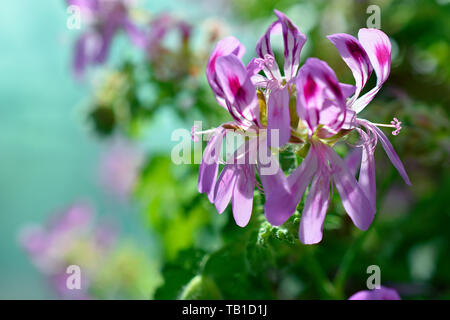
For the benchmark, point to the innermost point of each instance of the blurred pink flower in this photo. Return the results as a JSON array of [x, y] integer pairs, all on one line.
[[105, 18], [376, 294], [119, 167], [158, 30], [70, 237]]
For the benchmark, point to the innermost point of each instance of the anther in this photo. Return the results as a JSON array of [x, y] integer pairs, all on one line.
[[395, 123]]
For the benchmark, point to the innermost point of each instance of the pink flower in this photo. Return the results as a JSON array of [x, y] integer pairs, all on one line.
[[70, 237], [372, 51], [326, 111], [376, 294], [119, 167], [322, 107], [158, 30], [106, 17]]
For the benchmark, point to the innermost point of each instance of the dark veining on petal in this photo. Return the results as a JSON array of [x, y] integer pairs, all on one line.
[[235, 85], [355, 50], [333, 85], [212, 63], [382, 54], [310, 88]]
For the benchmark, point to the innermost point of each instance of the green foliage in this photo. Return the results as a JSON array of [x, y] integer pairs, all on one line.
[[127, 273], [201, 288], [174, 210], [178, 272]]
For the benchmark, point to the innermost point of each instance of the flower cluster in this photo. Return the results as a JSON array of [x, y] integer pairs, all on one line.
[[109, 265], [306, 107], [106, 18], [70, 238]]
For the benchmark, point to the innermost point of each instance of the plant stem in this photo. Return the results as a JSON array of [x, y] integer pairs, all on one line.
[[326, 288], [349, 257], [347, 260]]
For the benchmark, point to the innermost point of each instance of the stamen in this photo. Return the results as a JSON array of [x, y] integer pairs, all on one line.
[[268, 60], [395, 123], [259, 63], [268, 64], [195, 133], [398, 126]]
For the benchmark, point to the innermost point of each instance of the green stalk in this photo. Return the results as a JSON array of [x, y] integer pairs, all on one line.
[[326, 288], [347, 260]]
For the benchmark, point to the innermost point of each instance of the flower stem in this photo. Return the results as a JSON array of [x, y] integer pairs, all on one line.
[[326, 287], [347, 260]]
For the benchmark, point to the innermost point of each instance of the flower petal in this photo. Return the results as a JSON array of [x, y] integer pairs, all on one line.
[[264, 49], [254, 66], [80, 58], [349, 120], [278, 117], [389, 149], [353, 160], [224, 187], [226, 46], [314, 211], [355, 57], [378, 47], [209, 167], [136, 35], [293, 44], [284, 195], [105, 38], [319, 96], [347, 89], [376, 294], [237, 86], [354, 200], [85, 4], [270, 174], [243, 195], [367, 179], [274, 186]]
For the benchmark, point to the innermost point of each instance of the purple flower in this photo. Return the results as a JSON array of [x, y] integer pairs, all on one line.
[[232, 84], [243, 92], [106, 18], [69, 238], [278, 88], [159, 28], [382, 293], [372, 51], [322, 107], [326, 111], [119, 167]]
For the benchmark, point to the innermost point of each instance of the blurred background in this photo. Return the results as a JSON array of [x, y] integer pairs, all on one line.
[[86, 176]]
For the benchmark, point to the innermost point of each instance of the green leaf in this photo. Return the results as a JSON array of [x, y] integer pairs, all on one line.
[[201, 288]]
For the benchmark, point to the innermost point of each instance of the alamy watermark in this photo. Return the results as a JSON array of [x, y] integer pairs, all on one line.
[[236, 146], [374, 280], [374, 20], [74, 18], [73, 281]]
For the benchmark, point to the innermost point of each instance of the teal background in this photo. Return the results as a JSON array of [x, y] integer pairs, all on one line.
[[49, 157]]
